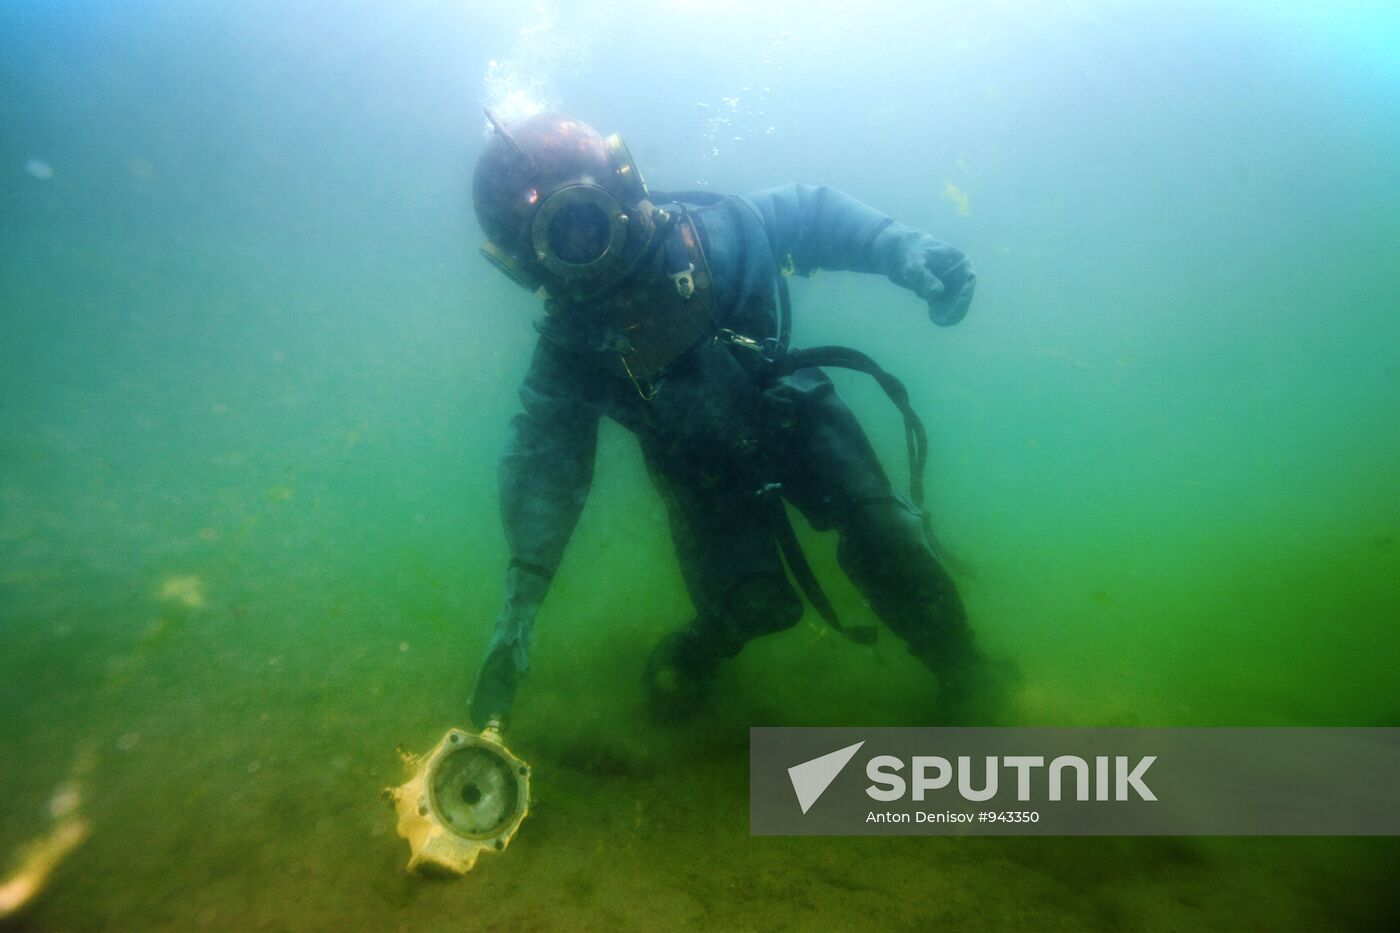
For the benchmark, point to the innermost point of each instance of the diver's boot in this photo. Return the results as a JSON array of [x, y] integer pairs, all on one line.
[[678, 675]]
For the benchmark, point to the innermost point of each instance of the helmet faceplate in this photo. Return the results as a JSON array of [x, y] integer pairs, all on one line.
[[557, 201]]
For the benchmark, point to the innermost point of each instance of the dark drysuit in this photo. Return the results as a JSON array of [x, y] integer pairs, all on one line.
[[714, 438]]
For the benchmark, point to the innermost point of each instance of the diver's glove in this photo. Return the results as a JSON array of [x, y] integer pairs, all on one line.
[[508, 655], [938, 273]]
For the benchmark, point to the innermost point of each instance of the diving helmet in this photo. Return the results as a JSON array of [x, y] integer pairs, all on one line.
[[467, 796], [560, 205]]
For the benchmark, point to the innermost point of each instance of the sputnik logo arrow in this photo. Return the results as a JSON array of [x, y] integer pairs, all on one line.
[[811, 778]]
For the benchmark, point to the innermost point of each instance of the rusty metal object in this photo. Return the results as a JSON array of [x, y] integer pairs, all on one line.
[[467, 796]]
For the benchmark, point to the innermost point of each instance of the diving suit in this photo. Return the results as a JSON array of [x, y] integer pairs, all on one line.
[[665, 314]]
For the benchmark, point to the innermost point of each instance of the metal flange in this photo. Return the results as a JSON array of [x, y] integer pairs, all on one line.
[[467, 796]]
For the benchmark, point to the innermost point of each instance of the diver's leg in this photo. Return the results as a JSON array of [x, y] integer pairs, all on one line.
[[680, 667], [735, 578], [833, 475], [885, 552]]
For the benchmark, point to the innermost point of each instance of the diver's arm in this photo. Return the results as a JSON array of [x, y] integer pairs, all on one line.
[[822, 228], [546, 468], [545, 474]]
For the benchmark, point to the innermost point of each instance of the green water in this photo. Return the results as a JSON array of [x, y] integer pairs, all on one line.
[[254, 380]]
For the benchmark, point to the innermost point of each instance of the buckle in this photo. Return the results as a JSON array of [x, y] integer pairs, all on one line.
[[684, 281]]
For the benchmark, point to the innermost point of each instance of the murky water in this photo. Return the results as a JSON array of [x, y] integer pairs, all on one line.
[[254, 380]]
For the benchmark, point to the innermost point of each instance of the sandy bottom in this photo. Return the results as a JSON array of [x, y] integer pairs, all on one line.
[[233, 750], [244, 795]]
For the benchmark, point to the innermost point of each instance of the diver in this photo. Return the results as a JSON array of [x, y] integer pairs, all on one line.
[[669, 313]]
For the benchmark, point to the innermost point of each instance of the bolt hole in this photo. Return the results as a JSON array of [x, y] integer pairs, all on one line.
[[500, 845]]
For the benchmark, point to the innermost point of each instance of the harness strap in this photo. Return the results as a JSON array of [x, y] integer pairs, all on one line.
[[807, 580], [915, 436]]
